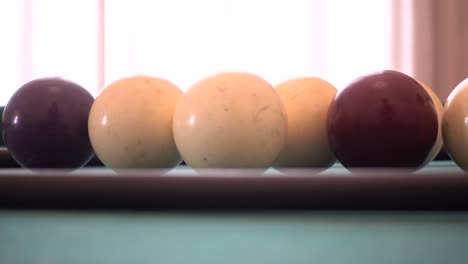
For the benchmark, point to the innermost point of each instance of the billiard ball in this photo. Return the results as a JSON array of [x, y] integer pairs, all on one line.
[[45, 124], [307, 101], [455, 125], [440, 113], [230, 120], [130, 123], [385, 119]]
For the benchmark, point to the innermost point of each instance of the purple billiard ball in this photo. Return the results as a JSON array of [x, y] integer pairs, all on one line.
[[386, 119], [45, 124]]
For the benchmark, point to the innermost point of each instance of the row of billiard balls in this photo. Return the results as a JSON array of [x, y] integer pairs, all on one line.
[[235, 120]]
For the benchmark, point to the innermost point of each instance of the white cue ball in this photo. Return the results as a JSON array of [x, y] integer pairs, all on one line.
[[455, 125], [230, 120], [440, 112], [307, 101], [130, 123]]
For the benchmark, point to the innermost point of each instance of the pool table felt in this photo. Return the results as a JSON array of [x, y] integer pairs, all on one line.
[[273, 237]]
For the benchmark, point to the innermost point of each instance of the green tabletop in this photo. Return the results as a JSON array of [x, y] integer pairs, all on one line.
[[225, 237], [51, 237]]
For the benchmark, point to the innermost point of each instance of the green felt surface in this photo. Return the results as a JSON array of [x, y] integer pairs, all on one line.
[[435, 167], [270, 237], [256, 237], [446, 166]]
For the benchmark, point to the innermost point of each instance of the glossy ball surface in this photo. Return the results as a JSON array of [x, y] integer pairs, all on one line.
[[45, 124], [307, 101], [230, 120], [455, 125], [440, 113], [385, 119], [130, 123]]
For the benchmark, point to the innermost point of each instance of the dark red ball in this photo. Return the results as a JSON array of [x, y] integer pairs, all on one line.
[[45, 124], [384, 119]]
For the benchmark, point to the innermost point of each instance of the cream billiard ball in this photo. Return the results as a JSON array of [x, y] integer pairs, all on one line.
[[230, 120], [455, 125], [130, 123], [440, 112], [307, 101]]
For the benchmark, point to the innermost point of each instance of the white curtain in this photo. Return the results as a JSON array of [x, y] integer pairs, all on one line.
[[96, 42], [431, 41], [187, 40], [47, 38], [11, 49]]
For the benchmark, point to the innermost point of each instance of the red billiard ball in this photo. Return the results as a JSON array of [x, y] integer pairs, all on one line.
[[45, 124], [386, 119]]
